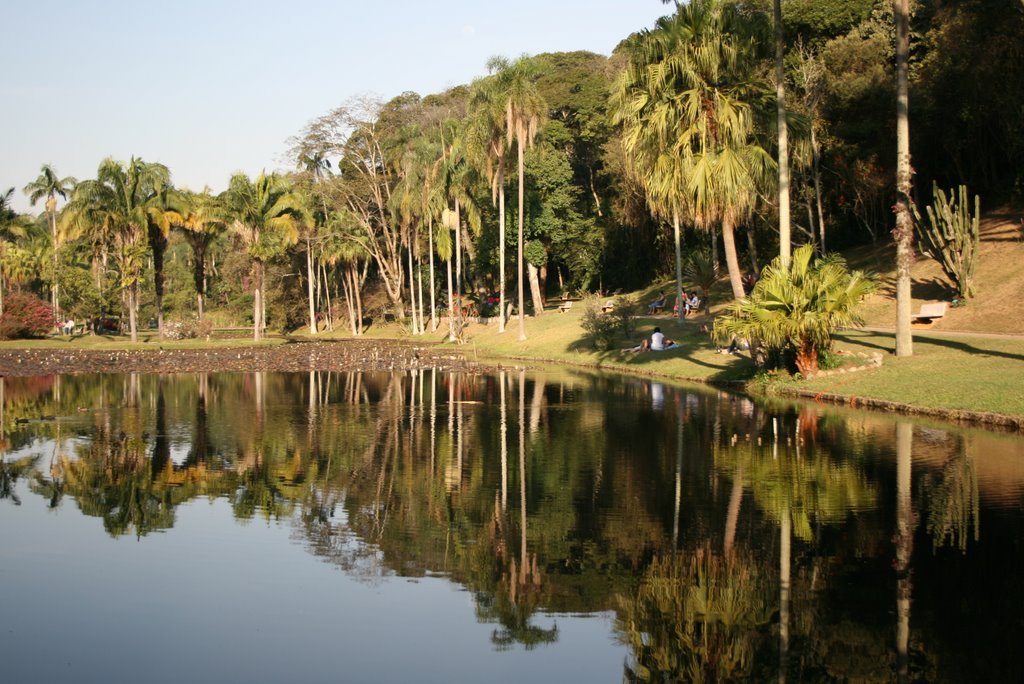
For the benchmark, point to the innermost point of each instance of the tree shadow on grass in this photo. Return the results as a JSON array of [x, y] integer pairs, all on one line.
[[967, 348]]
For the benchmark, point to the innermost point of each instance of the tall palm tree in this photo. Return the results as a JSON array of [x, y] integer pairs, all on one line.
[[904, 232], [123, 199], [51, 186], [487, 135], [264, 214], [780, 99], [524, 107], [158, 227], [687, 104]]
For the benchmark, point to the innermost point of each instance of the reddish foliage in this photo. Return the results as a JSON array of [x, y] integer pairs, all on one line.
[[25, 315]]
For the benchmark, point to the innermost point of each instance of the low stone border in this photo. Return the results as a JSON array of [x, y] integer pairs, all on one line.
[[873, 360]]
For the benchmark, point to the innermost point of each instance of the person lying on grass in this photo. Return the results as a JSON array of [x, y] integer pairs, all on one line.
[[658, 342]]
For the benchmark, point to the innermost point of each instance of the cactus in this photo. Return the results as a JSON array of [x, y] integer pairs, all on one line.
[[950, 236]]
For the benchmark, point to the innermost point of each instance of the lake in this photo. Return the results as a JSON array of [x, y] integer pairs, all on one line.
[[509, 526]]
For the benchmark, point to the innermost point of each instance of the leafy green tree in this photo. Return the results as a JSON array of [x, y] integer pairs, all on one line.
[[12, 227], [122, 201], [49, 185], [797, 309], [265, 214]]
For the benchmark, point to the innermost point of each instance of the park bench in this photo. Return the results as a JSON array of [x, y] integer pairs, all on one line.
[[608, 306], [928, 313], [565, 306]]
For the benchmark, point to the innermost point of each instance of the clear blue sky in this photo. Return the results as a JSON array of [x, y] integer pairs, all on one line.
[[209, 87]]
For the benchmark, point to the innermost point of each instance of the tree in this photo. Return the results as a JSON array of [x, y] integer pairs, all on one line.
[[11, 227], [780, 98], [121, 202], [796, 309], [517, 88], [904, 232], [50, 186], [265, 215], [687, 102], [200, 218]]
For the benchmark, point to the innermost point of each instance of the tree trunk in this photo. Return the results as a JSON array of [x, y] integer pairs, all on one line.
[[535, 293], [731, 259], [133, 296], [257, 305], [451, 304], [817, 186], [412, 286], [310, 275], [780, 98], [501, 258], [904, 232], [807, 358], [678, 241], [433, 304], [752, 245], [519, 257]]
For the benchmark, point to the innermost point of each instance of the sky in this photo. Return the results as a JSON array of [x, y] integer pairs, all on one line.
[[210, 87]]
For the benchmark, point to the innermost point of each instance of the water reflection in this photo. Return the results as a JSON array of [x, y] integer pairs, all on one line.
[[729, 540]]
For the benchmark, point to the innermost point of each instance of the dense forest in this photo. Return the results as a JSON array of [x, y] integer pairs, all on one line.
[[552, 174]]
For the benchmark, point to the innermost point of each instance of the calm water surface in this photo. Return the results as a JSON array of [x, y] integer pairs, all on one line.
[[512, 527]]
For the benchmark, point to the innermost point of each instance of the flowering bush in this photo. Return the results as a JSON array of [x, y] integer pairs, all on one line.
[[25, 316], [187, 329]]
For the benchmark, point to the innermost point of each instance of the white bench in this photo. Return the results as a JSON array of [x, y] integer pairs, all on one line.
[[564, 306], [928, 313]]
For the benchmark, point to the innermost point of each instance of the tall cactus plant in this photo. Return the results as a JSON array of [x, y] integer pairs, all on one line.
[[950, 236]]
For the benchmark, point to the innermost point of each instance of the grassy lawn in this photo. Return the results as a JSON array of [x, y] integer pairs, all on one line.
[[976, 373]]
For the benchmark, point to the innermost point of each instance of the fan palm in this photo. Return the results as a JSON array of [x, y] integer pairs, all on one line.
[[51, 186], [264, 214], [798, 308], [687, 103]]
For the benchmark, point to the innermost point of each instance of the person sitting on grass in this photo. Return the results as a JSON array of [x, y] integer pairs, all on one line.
[[658, 304], [658, 342]]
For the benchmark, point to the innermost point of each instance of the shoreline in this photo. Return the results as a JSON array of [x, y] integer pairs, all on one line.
[[370, 354]]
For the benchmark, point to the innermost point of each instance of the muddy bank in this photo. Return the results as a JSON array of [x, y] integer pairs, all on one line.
[[337, 355]]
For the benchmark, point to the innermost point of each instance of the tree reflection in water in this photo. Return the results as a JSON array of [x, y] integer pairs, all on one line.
[[729, 540]]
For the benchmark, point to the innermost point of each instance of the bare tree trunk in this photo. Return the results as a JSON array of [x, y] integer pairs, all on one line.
[[412, 287], [904, 232], [433, 304], [731, 259], [133, 295], [501, 260], [310, 275], [519, 257], [817, 186], [257, 306], [678, 241], [780, 98], [535, 294], [752, 245], [451, 304]]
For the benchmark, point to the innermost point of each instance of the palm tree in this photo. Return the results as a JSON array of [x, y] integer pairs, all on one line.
[[11, 227], [50, 186], [200, 218], [264, 215], [487, 144], [122, 201], [797, 308], [686, 103], [517, 88], [158, 227], [904, 232], [780, 97]]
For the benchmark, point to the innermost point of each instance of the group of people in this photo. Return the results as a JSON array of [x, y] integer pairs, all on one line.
[[689, 302], [657, 342], [67, 327]]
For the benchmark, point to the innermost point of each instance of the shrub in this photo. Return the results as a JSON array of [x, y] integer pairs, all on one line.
[[25, 316], [603, 327], [187, 329]]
